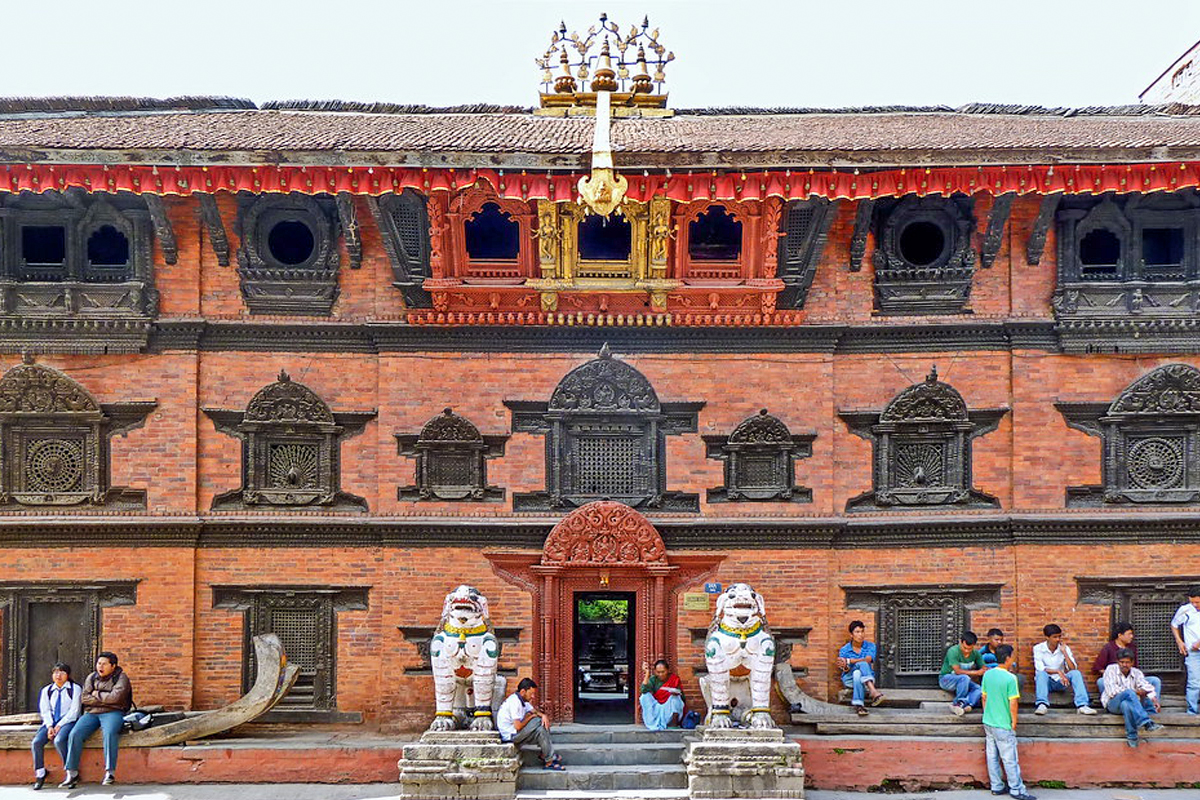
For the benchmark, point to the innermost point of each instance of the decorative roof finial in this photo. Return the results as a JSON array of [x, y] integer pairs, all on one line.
[[27, 357], [605, 79], [628, 62], [932, 376], [565, 83], [642, 82], [605, 352], [284, 377]]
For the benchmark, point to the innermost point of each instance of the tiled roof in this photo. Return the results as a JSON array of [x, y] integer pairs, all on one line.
[[500, 136]]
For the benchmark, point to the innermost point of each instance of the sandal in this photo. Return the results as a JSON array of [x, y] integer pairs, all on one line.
[[877, 699], [555, 765], [861, 711]]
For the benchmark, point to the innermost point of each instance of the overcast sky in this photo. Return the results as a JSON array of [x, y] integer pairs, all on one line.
[[735, 52]]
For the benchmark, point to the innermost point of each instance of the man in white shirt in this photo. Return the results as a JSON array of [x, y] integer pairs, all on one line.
[[520, 722], [1127, 692], [1055, 669], [1185, 626], [59, 703]]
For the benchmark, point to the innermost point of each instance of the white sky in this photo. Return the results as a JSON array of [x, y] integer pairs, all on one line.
[[730, 52]]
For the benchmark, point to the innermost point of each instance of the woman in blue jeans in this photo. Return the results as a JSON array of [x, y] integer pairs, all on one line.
[[107, 696], [855, 660]]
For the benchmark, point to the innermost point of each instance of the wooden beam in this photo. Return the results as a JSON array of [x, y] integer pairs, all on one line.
[[162, 227], [1041, 226], [992, 239], [346, 212], [862, 226], [210, 215]]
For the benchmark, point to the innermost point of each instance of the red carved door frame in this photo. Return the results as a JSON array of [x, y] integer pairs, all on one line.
[[602, 546]]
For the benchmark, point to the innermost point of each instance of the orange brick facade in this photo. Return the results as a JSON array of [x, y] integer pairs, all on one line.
[[181, 651]]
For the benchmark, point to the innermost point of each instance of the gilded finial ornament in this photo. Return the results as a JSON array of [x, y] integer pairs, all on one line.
[[631, 64]]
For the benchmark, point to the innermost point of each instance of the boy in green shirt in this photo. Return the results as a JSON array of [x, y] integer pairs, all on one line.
[[963, 662], [1000, 696]]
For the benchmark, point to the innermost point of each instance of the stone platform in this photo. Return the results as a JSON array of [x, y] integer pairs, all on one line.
[[754, 763], [458, 764]]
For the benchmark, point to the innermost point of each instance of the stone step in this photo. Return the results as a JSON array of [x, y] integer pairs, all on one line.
[[916, 698], [584, 754], [615, 794], [1025, 731], [603, 778], [614, 734]]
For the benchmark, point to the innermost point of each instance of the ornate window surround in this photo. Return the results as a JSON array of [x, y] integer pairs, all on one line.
[[287, 420], [760, 439], [309, 288], [932, 416], [604, 398], [944, 285], [719, 273], [798, 252], [1150, 441], [955, 602], [325, 602], [411, 260], [463, 207], [55, 439], [449, 436]]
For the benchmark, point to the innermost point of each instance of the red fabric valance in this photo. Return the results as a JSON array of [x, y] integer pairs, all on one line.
[[682, 187]]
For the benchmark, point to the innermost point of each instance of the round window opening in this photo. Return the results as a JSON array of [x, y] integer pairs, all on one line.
[[291, 242], [922, 243]]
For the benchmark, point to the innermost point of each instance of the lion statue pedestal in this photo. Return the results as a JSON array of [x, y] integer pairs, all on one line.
[[757, 760], [471, 763]]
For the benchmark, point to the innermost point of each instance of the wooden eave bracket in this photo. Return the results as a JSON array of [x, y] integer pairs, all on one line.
[[997, 218], [350, 230], [862, 226], [162, 227], [210, 215], [1041, 226]]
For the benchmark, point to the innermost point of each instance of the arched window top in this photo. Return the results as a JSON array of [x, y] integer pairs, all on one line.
[[491, 234], [604, 384], [715, 235], [37, 389], [288, 401], [762, 428], [928, 400], [450, 427], [1170, 389]]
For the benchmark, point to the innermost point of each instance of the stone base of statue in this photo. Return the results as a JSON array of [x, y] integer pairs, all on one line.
[[459, 764], [744, 762]]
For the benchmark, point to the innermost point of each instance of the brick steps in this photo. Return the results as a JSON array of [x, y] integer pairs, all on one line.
[[607, 759]]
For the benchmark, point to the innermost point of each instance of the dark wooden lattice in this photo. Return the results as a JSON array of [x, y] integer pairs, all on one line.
[[1151, 620], [804, 230], [759, 461], [451, 457], [920, 641]]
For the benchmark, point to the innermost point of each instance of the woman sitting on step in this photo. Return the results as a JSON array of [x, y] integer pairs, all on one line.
[[662, 697]]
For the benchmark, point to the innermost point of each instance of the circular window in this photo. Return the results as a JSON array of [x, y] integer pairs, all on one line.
[[291, 242], [922, 243]]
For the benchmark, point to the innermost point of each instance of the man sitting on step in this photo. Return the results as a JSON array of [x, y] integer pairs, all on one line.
[[1122, 640], [995, 640], [1056, 670], [1127, 692], [963, 662], [519, 722]]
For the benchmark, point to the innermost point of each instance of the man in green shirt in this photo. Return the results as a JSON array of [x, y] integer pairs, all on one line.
[[963, 662], [1000, 696]]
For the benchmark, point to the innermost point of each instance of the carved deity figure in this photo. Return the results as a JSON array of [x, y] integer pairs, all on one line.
[[738, 637], [464, 653]]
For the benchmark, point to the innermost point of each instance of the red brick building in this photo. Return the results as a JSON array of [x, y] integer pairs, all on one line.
[[245, 324]]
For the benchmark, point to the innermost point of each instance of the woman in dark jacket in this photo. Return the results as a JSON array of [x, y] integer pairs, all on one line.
[[107, 696]]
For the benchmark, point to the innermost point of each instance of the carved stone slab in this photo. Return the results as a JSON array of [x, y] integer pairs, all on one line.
[[454, 764], [738, 762]]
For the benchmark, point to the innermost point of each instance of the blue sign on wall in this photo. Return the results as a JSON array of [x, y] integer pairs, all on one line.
[[712, 588]]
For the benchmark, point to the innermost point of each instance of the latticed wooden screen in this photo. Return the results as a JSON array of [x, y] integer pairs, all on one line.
[[1151, 620], [608, 465], [920, 641], [304, 624]]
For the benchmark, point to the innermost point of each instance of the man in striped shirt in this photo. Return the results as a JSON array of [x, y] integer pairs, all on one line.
[[1127, 692]]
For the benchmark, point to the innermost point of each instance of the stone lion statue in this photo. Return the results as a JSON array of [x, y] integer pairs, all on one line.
[[464, 653], [738, 637]]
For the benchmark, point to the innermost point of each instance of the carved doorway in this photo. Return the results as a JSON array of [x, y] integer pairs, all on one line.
[[605, 658], [602, 549]]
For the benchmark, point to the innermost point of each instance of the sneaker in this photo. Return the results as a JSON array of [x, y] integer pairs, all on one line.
[[39, 782], [1152, 726], [109, 779], [70, 780], [1132, 743], [957, 710], [1024, 797], [1041, 709], [1000, 793], [1087, 711]]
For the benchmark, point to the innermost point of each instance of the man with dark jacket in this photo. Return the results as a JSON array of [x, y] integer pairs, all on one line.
[[107, 696]]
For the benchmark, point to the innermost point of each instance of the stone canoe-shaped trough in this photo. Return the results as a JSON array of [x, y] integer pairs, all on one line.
[[274, 680]]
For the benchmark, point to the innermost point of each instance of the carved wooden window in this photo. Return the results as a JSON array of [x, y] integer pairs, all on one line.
[[451, 457], [305, 620], [924, 262], [759, 461], [1148, 604], [289, 258], [54, 437], [47, 622], [605, 246], [916, 625], [75, 255], [1151, 440], [922, 449], [403, 222], [804, 230], [291, 443], [605, 439], [493, 237]]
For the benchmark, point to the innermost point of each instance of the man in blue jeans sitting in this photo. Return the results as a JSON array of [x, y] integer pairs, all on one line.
[[855, 660], [1185, 627], [1056, 670], [963, 662], [107, 696], [1127, 692]]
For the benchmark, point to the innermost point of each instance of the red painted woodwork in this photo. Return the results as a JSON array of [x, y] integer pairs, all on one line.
[[463, 207], [602, 546], [749, 263]]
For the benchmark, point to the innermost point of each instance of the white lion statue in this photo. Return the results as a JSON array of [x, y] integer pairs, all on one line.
[[464, 653], [738, 637]]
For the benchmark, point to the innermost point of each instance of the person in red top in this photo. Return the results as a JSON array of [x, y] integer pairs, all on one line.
[[1122, 639], [661, 697]]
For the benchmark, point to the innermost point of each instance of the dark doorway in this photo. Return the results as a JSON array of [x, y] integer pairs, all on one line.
[[57, 632], [605, 669]]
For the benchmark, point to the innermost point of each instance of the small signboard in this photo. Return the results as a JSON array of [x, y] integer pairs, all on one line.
[[695, 601], [712, 588]]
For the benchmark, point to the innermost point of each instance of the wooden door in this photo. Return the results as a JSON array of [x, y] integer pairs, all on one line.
[[58, 631]]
